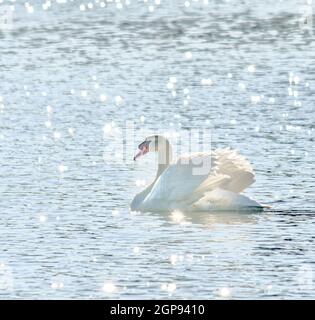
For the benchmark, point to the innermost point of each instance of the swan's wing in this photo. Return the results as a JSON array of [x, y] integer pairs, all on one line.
[[223, 168], [231, 163], [187, 179], [192, 175]]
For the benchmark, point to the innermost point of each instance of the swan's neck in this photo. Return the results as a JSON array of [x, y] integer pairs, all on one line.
[[164, 158]]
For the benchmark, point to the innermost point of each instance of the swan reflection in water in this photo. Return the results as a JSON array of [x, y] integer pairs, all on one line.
[[209, 220]]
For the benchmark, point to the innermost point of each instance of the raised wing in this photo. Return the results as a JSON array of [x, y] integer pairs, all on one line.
[[231, 163], [187, 180]]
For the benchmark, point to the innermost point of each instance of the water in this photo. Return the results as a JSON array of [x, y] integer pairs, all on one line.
[[70, 80]]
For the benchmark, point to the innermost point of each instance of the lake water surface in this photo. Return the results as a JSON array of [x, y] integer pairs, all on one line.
[[71, 78]]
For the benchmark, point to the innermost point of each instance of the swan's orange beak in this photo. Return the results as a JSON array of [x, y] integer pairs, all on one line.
[[143, 149]]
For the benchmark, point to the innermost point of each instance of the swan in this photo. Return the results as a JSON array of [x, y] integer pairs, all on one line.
[[199, 181]]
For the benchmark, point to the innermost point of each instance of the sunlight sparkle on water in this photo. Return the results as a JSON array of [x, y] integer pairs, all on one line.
[[206, 82], [296, 79], [225, 292], [49, 109], [136, 250], [84, 93], [297, 103], [109, 287], [170, 85], [71, 131], [103, 97], [48, 124], [30, 9], [173, 259], [188, 55], [118, 100], [177, 216], [42, 218], [255, 99], [268, 289], [290, 91], [172, 80], [251, 68], [56, 285], [57, 135], [242, 86], [107, 128], [62, 168], [169, 287]]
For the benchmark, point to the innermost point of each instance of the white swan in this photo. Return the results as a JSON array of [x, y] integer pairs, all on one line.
[[197, 182]]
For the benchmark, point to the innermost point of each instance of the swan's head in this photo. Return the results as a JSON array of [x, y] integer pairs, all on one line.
[[151, 144]]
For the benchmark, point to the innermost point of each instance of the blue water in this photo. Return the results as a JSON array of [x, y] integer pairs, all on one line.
[[70, 80]]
